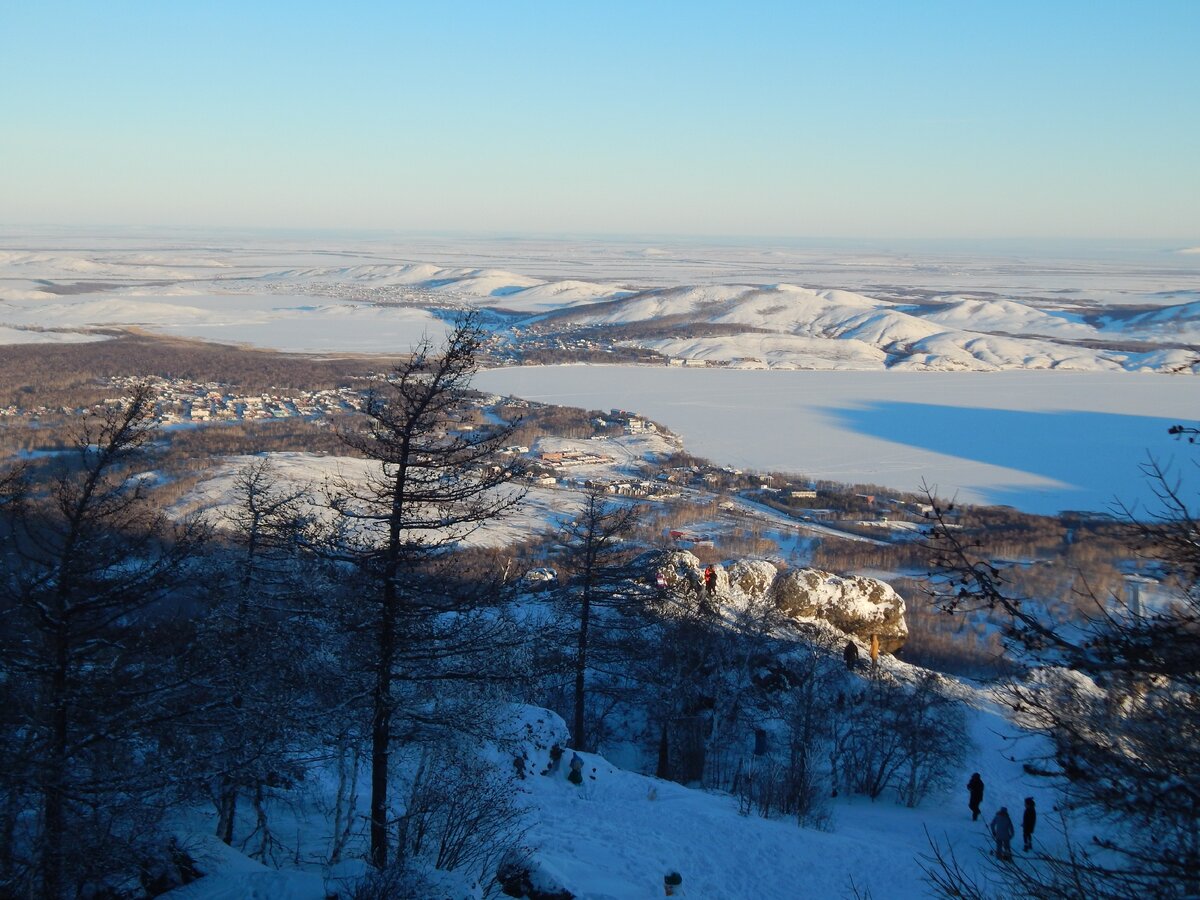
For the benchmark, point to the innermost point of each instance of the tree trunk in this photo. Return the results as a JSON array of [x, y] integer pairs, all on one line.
[[226, 811], [585, 611], [381, 730], [54, 815]]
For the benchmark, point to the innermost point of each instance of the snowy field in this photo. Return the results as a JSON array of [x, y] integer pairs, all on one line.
[[909, 307], [1040, 441]]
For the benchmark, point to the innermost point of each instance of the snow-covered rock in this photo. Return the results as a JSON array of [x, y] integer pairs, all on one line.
[[856, 605], [752, 577], [859, 606]]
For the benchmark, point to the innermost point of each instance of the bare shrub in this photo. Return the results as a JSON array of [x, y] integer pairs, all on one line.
[[461, 814], [900, 737]]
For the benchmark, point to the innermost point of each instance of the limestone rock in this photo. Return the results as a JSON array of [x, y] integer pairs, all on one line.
[[681, 573], [854, 604], [753, 577], [857, 605]]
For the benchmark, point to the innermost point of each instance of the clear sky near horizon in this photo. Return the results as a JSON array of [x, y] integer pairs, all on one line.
[[855, 119]]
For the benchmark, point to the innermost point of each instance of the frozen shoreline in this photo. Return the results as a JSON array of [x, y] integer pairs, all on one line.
[[1042, 442]]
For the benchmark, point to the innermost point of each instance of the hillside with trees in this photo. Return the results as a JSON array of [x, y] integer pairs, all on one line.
[[322, 690]]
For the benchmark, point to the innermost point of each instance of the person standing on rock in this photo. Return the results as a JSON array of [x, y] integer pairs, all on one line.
[[975, 792], [850, 655], [710, 579]]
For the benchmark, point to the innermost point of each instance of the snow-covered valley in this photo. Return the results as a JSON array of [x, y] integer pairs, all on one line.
[[1041, 385]]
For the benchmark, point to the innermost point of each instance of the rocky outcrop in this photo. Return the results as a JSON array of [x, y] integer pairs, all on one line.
[[859, 606], [753, 577], [680, 572]]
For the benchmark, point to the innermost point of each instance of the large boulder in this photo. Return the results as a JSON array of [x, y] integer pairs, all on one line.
[[680, 572], [753, 577], [857, 605]]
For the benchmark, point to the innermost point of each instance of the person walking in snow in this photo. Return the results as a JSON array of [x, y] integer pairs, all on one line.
[[975, 791], [1028, 823], [710, 579], [1003, 831]]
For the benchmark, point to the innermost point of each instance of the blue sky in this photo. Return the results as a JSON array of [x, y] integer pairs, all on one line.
[[852, 119]]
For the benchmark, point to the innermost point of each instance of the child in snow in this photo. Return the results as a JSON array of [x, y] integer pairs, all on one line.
[[1003, 831], [575, 776], [850, 655]]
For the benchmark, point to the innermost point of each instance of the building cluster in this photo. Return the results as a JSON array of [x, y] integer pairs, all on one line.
[[358, 292], [200, 402], [629, 422], [561, 459], [181, 401], [687, 540], [637, 489]]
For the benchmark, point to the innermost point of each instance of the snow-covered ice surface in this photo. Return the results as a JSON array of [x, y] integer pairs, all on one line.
[[37, 336], [1041, 442]]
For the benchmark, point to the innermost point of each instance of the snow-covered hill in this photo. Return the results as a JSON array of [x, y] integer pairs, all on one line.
[[617, 835], [327, 301]]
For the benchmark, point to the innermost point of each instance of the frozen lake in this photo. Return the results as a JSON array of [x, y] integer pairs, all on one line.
[[1040, 441]]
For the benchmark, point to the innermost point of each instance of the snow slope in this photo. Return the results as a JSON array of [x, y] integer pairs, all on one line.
[[616, 836], [542, 508]]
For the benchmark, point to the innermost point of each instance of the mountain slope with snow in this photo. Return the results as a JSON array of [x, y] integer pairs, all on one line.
[[775, 324]]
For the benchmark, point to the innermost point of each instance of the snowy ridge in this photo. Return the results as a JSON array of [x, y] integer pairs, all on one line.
[[780, 324], [520, 293]]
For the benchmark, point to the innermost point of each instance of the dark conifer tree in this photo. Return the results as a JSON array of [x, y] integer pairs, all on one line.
[[434, 484], [87, 662]]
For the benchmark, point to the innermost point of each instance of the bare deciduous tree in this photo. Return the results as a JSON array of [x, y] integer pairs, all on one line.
[[1117, 695], [597, 582]]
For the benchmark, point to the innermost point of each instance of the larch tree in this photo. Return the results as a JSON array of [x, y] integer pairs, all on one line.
[[436, 480], [261, 623], [87, 557], [592, 549]]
